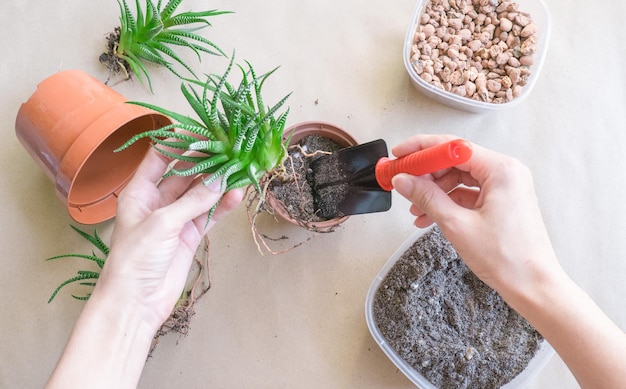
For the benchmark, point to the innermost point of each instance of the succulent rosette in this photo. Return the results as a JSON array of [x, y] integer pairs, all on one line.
[[235, 138]]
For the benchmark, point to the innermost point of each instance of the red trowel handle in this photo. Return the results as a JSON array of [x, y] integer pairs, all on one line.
[[422, 162]]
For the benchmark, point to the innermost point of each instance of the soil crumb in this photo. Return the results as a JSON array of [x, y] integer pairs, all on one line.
[[295, 189], [451, 327]]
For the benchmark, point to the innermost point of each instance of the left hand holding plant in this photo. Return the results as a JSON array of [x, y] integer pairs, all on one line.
[[160, 224], [159, 227]]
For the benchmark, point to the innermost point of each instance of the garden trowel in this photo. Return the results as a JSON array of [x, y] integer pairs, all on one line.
[[357, 179]]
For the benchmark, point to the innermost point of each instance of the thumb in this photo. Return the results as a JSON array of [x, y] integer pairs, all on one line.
[[427, 196], [196, 201]]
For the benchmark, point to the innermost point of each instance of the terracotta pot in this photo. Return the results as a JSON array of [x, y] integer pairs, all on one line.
[[298, 132], [70, 127]]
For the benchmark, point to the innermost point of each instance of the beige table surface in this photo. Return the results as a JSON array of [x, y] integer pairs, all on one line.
[[297, 320]]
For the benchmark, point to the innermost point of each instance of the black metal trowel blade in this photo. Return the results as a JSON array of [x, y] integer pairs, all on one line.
[[345, 181]]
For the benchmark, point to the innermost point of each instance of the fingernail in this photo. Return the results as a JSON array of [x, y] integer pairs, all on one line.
[[402, 183]]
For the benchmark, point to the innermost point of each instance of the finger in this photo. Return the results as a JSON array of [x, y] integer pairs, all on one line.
[[453, 178], [423, 221], [138, 195], [151, 168], [155, 164], [175, 185], [465, 197], [197, 200], [229, 201], [427, 196], [172, 187], [420, 142], [479, 165]]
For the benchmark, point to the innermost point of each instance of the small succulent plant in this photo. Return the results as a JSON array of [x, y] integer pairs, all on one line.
[[85, 277], [151, 35], [235, 139]]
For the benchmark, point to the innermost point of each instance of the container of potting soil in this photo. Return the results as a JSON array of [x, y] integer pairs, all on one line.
[[437, 304]]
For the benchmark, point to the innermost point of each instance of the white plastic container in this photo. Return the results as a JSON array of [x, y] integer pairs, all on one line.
[[522, 380], [541, 18]]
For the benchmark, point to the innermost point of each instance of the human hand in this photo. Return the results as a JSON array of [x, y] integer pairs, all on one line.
[[494, 222], [487, 208], [158, 228]]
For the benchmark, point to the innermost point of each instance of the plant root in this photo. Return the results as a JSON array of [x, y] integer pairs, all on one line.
[[310, 155], [112, 61], [180, 318], [288, 184], [257, 203]]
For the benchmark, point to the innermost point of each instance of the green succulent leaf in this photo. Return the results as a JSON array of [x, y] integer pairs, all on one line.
[[183, 38], [183, 157], [209, 146], [94, 240], [82, 275], [99, 261], [170, 8], [191, 17], [205, 166], [137, 67]]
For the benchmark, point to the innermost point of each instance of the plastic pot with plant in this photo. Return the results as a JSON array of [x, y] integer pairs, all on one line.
[[292, 194]]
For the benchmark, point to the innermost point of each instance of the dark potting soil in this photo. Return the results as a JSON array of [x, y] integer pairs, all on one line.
[[296, 189], [453, 329], [330, 186]]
